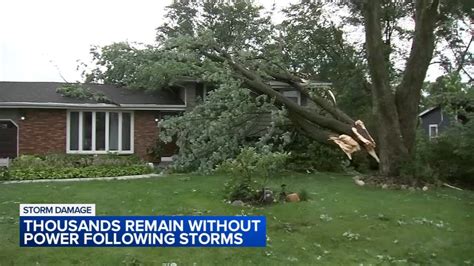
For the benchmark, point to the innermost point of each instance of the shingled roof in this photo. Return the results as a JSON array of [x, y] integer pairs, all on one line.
[[24, 94]]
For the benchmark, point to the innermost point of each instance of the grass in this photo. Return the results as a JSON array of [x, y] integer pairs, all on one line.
[[340, 224]]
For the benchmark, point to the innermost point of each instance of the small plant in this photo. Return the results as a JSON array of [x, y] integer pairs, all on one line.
[[283, 193], [250, 172], [4, 173], [304, 195]]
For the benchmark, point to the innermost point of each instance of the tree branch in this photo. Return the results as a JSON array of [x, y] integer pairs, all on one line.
[[255, 82], [325, 105], [408, 93], [382, 95], [310, 129], [463, 55]]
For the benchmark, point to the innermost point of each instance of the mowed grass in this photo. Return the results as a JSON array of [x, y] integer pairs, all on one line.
[[342, 223]]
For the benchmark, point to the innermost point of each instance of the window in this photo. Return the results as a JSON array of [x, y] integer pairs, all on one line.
[[293, 95], [100, 126], [99, 132], [433, 131]]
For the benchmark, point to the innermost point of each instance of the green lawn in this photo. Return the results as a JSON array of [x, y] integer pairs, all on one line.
[[341, 224]]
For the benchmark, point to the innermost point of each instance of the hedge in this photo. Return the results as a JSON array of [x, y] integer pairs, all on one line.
[[73, 172]]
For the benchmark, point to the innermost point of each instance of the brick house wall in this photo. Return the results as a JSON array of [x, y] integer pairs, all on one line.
[[43, 131], [146, 133]]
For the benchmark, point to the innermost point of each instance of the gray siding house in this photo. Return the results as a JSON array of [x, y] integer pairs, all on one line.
[[434, 121]]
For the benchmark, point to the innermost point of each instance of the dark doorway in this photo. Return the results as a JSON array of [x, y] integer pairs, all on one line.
[[8, 139]]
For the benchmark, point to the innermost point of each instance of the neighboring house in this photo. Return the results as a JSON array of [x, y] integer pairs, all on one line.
[[433, 121], [36, 119]]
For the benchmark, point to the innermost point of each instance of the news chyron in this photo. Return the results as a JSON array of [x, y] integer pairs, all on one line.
[[76, 225]]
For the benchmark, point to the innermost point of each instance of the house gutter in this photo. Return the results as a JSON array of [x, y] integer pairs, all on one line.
[[51, 105]]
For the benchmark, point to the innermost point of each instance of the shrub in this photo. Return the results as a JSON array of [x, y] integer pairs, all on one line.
[[73, 160], [73, 166], [250, 172], [25, 161], [449, 157], [71, 172], [308, 155], [304, 195]]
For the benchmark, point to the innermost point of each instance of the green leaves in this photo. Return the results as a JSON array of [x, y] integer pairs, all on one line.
[[78, 91], [251, 170], [72, 172], [218, 128], [56, 166]]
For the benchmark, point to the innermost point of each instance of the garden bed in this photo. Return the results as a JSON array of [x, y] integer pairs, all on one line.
[[73, 166]]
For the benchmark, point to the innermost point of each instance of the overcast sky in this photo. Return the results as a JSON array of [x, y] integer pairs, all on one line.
[[41, 38]]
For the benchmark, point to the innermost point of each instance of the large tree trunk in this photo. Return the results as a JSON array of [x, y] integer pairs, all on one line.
[[408, 93], [391, 147], [397, 110]]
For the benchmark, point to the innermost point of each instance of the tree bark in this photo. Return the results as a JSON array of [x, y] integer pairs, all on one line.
[[395, 109], [391, 148], [408, 93]]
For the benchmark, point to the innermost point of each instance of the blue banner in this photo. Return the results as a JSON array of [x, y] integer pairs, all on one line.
[[143, 231]]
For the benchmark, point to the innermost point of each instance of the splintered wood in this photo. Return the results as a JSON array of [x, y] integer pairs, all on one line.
[[349, 145]]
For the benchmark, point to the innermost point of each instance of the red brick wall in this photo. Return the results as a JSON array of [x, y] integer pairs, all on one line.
[[145, 131], [43, 131]]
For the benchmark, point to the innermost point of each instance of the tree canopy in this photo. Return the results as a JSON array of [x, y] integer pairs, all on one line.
[[236, 46]]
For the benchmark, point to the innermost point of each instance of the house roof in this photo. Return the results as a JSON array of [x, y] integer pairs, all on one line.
[[283, 85], [43, 94], [427, 111]]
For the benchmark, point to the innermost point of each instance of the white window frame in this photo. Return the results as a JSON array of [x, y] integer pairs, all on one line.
[[293, 94], [429, 130], [93, 148]]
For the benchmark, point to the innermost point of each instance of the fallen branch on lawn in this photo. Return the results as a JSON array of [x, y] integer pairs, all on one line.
[[453, 187]]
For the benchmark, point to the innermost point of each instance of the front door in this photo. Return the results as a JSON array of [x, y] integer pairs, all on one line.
[[8, 139]]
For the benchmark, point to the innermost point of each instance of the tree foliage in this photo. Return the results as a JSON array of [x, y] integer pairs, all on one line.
[[219, 127], [235, 44]]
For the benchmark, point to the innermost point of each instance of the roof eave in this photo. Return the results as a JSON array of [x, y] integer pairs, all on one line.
[[50, 105], [427, 111]]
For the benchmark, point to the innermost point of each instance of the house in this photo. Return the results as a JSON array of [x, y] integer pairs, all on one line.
[[36, 119], [434, 121]]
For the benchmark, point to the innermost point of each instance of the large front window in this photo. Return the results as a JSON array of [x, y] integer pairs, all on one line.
[[100, 132]]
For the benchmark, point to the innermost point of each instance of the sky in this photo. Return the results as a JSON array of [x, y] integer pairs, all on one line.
[[44, 40], [41, 38]]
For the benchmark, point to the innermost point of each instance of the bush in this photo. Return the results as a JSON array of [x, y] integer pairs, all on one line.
[[308, 155], [250, 172], [73, 166], [449, 157], [73, 160], [304, 195], [71, 172]]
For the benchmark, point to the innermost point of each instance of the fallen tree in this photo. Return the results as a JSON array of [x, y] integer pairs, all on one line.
[[233, 42]]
